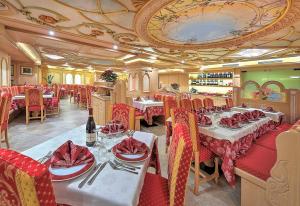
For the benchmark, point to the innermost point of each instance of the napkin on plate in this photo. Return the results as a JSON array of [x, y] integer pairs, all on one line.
[[113, 127], [69, 154], [257, 114], [204, 120], [240, 117], [249, 115], [131, 146], [229, 122], [270, 109], [244, 105]]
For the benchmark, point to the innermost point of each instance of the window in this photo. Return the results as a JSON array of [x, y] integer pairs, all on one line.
[[69, 79], [77, 79], [4, 72]]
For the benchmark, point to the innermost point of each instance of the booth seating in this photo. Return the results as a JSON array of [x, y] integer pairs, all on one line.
[[269, 170]]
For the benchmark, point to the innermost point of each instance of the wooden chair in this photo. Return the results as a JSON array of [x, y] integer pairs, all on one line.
[[201, 154], [229, 102], [186, 104], [125, 114], [160, 191], [25, 181], [168, 105], [54, 107], [5, 105], [208, 102], [197, 104], [82, 100], [34, 103]]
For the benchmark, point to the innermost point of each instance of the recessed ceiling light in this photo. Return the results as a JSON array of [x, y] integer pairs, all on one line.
[[53, 56], [153, 57], [182, 61], [295, 77], [115, 47], [51, 33], [252, 52]]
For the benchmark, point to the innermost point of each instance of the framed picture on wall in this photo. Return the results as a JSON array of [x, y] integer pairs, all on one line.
[[26, 70]]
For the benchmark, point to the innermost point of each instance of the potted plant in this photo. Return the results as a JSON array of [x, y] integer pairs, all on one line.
[[49, 79], [109, 76]]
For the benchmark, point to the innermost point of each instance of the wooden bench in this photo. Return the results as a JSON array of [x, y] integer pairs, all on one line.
[[271, 176]]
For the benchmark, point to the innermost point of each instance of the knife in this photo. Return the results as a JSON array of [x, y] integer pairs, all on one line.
[[89, 175], [96, 174]]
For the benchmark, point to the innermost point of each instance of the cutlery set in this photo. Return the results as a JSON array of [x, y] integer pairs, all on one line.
[[116, 165], [45, 158]]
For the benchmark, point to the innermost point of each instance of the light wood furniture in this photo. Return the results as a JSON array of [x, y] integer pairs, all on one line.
[[37, 113], [101, 108], [283, 187], [218, 100]]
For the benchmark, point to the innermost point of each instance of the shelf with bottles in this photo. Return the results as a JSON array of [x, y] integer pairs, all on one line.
[[195, 85], [212, 75], [211, 82]]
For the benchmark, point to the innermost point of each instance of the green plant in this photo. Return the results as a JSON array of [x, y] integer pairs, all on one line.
[[109, 76], [49, 79]]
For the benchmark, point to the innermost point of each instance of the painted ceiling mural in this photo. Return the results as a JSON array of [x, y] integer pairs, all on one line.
[[197, 31]]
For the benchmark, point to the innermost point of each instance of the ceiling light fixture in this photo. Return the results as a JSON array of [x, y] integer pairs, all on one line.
[[182, 61], [53, 56], [30, 52], [115, 47], [252, 52], [51, 33], [153, 57]]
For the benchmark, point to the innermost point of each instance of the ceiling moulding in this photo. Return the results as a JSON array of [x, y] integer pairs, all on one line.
[[158, 21]]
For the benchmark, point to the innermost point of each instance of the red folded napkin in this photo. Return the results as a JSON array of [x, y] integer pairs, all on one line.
[[113, 127], [204, 120], [201, 111], [270, 109], [229, 122], [69, 154], [131, 146], [249, 115], [244, 105], [240, 117], [257, 114], [225, 108]]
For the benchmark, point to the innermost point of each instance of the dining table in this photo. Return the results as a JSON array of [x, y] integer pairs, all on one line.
[[149, 108], [229, 144], [18, 101], [110, 188]]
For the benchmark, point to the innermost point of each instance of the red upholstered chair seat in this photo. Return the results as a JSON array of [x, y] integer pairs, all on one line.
[[54, 102], [155, 191], [35, 108], [258, 161], [205, 154], [268, 140]]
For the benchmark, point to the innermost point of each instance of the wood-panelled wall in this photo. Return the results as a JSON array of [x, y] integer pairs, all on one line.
[[181, 78]]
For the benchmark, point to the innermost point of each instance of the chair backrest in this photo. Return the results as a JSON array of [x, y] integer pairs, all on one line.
[[168, 105], [197, 104], [187, 104], [24, 181], [208, 102], [33, 97], [194, 131], [4, 115], [125, 114], [229, 102], [179, 160], [83, 93], [158, 97], [179, 115]]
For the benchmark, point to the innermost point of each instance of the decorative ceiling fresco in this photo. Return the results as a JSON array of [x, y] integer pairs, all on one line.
[[195, 32]]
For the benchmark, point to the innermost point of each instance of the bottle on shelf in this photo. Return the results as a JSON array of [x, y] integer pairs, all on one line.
[[90, 129]]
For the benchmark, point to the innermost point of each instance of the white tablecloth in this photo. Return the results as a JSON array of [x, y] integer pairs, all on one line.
[[143, 105], [45, 96], [275, 116], [111, 188]]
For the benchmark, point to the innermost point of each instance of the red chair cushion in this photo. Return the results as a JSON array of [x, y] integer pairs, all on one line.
[[268, 140], [205, 154], [54, 102], [35, 108], [258, 161], [155, 191]]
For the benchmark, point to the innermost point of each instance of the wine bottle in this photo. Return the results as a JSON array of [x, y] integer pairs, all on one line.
[[90, 129]]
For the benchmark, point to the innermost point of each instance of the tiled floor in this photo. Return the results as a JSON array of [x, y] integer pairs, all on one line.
[[24, 136]]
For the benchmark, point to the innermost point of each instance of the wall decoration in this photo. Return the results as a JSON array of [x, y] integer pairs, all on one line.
[[146, 83], [26, 70]]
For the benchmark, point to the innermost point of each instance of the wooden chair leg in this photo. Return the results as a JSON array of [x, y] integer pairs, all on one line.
[[6, 138], [42, 115], [216, 173], [197, 174], [27, 116]]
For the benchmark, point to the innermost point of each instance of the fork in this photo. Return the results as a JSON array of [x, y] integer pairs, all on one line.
[[126, 165], [118, 168], [42, 159], [122, 165]]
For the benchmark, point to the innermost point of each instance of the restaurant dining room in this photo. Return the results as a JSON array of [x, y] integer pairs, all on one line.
[[149, 103]]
